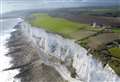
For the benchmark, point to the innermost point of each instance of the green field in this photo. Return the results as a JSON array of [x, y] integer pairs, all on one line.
[[61, 26], [78, 31], [115, 52], [115, 63], [117, 30]]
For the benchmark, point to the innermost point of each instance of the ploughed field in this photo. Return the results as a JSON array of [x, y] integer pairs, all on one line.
[[102, 39]]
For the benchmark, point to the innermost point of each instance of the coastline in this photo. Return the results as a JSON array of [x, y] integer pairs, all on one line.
[[26, 59], [60, 58], [31, 58]]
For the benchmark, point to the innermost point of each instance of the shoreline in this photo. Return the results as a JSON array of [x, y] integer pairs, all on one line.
[[99, 41], [29, 63], [31, 68]]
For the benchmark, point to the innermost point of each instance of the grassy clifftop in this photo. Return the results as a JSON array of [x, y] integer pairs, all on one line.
[[102, 43], [61, 26]]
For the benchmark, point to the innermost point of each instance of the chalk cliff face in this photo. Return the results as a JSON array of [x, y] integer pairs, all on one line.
[[26, 58], [48, 57]]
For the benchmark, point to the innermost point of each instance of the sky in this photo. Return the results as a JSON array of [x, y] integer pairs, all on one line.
[[10, 5]]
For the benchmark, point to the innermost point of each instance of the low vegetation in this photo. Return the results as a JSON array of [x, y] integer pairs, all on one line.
[[93, 38], [61, 26], [115, 52], [116, 30]]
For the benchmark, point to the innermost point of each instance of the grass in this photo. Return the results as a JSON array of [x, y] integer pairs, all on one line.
[[115, 52], [77, 31], [115, 64], [59, 25], [116, 30]]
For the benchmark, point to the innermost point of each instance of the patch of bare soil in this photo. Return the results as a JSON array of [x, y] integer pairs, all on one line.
[[100, 40]]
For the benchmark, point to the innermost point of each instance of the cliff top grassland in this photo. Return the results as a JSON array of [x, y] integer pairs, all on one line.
[[62, 26], [102, 41]]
